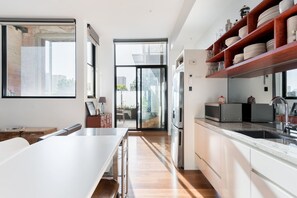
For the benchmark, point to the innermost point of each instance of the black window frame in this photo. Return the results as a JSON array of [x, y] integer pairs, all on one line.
[[93, 65], [4, 66], [284, 86], [139, 66]]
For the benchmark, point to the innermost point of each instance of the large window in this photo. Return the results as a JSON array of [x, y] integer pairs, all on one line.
[[91, 69], [290, 84], [38, 59]]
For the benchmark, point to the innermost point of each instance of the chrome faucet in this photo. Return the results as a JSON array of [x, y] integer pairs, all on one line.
[[278, 99]]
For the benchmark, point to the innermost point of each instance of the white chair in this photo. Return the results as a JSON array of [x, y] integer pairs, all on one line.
[[12, 146]]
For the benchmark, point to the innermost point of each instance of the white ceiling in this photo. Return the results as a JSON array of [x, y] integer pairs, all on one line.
[[117, 18], [133, 18]]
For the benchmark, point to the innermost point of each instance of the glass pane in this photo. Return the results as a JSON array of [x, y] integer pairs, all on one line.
[[90, 81], [152, 98], [292, 83], [142, 53], [90, 46], [40, 60], [126, 97]]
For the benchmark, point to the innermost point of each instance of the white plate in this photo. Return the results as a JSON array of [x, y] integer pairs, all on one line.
[[269, 11], [231, 40], [242, 32]]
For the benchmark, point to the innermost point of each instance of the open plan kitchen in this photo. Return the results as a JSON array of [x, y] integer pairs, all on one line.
[[148, 99]]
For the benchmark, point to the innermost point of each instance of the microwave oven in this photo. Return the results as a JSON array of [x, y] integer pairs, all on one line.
[[223, 112]]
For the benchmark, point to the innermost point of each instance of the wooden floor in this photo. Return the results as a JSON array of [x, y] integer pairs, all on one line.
[[151, 173]]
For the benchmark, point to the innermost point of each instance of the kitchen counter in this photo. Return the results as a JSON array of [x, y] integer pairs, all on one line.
[[284, 152]]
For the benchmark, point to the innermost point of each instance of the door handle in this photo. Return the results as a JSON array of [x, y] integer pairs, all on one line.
[[180, 114]]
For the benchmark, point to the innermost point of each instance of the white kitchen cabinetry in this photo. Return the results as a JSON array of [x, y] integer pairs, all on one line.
[[261, 188], [209, 155], [276, 177], [236, 169], [199, 148]]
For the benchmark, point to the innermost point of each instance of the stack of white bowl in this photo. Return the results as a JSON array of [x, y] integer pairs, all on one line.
[[291, 29], [243, 31], [285, 5], [238, 58], [231, 40], [270, 45], [253, 50], [268, 15]]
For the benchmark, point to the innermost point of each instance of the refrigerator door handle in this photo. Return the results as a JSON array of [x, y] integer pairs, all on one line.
[[179, 138], [180, 114], [173, 114]]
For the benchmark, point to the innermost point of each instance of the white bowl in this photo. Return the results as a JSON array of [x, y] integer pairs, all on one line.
[[231, 40], [285, 5], [242, 32], [238, 58]]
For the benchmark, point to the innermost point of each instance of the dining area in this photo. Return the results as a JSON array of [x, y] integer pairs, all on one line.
[[72, 162]]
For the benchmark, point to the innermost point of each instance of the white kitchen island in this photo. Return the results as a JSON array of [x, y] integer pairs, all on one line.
[[59, 167]]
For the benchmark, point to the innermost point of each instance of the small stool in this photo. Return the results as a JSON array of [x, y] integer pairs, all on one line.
[[107, 188]]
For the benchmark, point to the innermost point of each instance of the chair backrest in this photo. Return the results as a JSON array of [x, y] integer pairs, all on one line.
[[73, 128], [62, 132], [57, 133], [11, 147]]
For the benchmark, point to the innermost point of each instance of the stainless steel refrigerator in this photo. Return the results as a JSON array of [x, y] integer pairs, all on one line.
[[177, 128]]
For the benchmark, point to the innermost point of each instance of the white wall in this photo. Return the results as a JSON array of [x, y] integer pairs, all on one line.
[[242, 88], [231, 12]]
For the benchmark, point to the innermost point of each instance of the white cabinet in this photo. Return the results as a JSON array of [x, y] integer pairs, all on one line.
[[199, 147], [199, 141], [275, 171], [261, 188], [236, 169], [209, 154], [213, 151]]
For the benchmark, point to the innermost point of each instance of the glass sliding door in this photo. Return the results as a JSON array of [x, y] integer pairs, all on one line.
[[140, 84], [126, 97], [151, 98]]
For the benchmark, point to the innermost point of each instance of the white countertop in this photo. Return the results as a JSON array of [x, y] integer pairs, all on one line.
[[287, 153], [58, 167]]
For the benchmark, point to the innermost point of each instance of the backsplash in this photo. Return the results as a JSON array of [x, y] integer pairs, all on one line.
[[239, 89]]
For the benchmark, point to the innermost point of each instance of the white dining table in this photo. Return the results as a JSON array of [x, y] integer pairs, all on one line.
[[121, 132], [59, 167]]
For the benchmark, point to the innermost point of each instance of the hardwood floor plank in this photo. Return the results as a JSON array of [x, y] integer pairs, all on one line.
[[153, 175]]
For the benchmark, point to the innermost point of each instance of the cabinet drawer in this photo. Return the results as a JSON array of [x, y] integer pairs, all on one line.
[[261, 187], [281, 173], [200, 163]]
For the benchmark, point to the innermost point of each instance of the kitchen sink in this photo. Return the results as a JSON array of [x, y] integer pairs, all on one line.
[[259, 134], [271, 136]]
